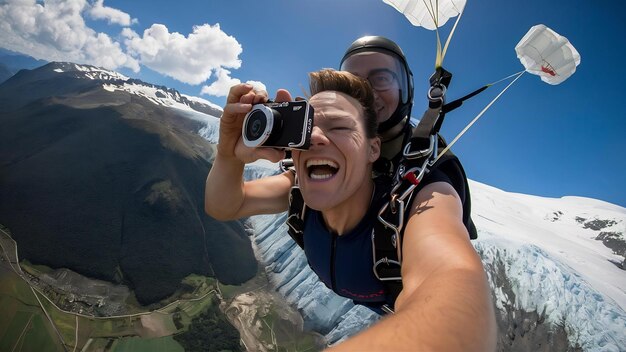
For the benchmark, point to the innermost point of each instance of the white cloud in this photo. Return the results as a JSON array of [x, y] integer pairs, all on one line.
[[257, 85], [54, 30], [222, 85], [114, 16], [104, 52], [190, 59]]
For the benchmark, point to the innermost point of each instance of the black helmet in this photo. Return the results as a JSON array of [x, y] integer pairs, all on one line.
[[389, 47]]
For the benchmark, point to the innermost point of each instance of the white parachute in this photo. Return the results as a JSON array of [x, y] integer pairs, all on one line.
[[428, 13], [545, 53], [431, 14]]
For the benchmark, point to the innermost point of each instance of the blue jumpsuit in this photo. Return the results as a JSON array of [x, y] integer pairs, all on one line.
[[345, 263]]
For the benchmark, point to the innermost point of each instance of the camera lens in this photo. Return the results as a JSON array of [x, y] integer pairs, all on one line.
[[261, 126], [256, 125]]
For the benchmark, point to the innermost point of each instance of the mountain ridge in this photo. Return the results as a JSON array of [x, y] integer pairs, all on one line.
[[109, 182], [83, 76]]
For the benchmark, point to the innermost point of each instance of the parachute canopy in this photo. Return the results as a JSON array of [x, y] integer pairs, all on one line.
[[545, 53], [429, 14]]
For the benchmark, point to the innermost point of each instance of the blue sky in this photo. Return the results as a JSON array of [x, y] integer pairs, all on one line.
[[537, 139]]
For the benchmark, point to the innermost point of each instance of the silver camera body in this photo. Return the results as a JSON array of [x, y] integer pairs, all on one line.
[[285, 125]]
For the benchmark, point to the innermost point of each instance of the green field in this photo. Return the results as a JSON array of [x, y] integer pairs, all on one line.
[[285, 335], [25, 327], [136, 344]]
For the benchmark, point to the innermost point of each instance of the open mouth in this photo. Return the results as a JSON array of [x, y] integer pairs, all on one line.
[[321, 169]]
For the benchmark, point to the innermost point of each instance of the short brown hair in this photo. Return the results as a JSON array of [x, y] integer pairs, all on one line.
[[354, 86]]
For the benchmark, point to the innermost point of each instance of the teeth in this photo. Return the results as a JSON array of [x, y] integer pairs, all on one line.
[[321, 177], [321, 162], [319, 168]]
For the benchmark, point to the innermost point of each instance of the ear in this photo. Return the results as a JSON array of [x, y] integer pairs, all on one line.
[[374, 149]]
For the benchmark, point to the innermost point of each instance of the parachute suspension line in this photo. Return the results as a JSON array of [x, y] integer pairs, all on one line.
[[505, 78], [519, 74], [445, 47], [458, 102], [433, 11], [439, 57]]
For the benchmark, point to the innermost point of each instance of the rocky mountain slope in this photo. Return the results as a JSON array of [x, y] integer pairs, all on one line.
[[105, 175]]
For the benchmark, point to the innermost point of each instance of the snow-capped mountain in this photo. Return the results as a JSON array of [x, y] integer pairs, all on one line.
[[159, 95], [556, 267], [86, 76]]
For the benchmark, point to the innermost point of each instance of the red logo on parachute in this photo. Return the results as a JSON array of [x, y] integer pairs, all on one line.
[[548, 70]]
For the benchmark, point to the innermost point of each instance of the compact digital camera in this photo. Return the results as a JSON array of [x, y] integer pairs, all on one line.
[[279, 125]]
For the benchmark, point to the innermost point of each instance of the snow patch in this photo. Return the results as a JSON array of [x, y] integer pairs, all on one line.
[[203, 101], [93, 72]]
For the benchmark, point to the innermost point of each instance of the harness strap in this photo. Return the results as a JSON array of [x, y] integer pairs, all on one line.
[[456, 103], [387, 254], [418, 152], [295, 218], [431, 121]]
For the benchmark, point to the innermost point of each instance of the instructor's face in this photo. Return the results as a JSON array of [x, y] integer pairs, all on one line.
[[381, 70]]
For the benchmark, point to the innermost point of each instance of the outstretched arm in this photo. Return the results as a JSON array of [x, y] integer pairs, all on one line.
[[445, 304], [227, 196]]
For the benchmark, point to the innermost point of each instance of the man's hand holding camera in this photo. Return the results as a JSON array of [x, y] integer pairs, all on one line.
[[241, 99]]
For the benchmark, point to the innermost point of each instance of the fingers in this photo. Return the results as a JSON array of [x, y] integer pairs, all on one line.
[[245, 94], [237, 91], [261, 96], [240, 99], [237, 108], [283, 95]]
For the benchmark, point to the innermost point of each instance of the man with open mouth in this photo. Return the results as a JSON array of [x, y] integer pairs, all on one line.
[[335, 178]]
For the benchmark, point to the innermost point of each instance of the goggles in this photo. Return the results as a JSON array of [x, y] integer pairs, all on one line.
[[382, 79]]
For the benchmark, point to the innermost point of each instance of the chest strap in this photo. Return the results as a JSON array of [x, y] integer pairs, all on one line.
[[295, 217]]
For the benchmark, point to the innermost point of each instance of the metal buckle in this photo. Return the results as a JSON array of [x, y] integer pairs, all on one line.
[[392, 203], [286, 164], [430, 151], [288, 222], [395, 237], [387, 262], [385, 308], [400, 220], [439, 96]]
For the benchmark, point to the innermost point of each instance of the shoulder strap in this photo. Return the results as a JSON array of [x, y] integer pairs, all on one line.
[[297, 208], [295, 218]]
